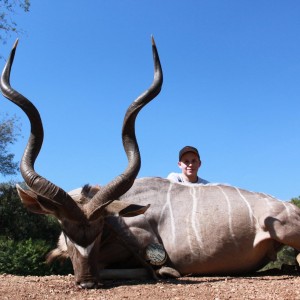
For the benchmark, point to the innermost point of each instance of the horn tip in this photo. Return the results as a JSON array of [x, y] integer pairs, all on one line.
[[152, 39], [16, 44]]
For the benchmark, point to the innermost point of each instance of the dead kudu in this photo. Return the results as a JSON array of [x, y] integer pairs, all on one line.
[[204, 229]]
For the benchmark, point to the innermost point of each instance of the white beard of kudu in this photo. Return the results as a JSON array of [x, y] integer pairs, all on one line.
[[204, 229]]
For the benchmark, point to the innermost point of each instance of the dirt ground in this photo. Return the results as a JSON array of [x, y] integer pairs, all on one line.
[[266, 286]]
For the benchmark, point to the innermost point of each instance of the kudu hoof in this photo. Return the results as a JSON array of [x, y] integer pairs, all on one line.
[[167, 272]]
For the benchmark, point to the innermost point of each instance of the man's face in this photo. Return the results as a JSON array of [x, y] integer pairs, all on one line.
[[189, 164]]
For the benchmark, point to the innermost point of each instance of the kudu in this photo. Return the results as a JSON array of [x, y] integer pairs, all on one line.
[[204, 229]]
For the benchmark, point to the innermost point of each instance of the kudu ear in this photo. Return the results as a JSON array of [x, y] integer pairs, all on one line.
[[31, 202], [126, 209], [120, 208], [42, 205]]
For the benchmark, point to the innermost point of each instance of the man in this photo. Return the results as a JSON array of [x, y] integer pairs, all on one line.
[[189, 163]]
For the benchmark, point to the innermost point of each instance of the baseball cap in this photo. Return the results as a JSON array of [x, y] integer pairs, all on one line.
[[188, 149]]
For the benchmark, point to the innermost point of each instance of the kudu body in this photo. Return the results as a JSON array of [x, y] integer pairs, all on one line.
[[205, 229]]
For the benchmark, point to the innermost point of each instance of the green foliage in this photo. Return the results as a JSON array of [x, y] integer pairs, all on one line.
[[296, 201], [27, 257], [26, 238], [18, 224], [9, 131], [8, 9], [286, 256]]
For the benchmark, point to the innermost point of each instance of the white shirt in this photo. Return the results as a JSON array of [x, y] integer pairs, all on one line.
[[177, 177]]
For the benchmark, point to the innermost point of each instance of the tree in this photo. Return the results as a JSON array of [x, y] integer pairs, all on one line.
[[26, 238], [9, 131], [17, 223], [296, 201], [8, 9]]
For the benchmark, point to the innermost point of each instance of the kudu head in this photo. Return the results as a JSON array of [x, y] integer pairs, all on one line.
[[81, 223]]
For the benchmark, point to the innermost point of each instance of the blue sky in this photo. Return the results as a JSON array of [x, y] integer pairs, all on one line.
[[231, 88]]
